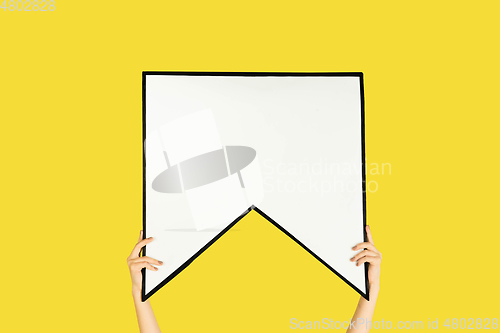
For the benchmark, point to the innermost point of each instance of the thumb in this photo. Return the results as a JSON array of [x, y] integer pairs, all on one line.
[[369, 234]]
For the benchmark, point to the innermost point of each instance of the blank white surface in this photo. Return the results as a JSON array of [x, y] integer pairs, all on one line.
[[252, 176], [218, 203], [307, 133], [189, 136], [156, 162]]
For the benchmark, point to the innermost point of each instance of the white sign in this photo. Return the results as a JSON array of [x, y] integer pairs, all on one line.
[[289, 145]]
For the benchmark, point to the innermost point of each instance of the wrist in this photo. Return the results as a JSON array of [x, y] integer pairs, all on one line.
[[136, 291], [374, 289]]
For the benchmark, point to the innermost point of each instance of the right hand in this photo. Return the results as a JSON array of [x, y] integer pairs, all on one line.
[[136, 263], [371, 255]]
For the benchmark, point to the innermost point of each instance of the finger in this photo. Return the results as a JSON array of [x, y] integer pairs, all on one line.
[[365, 245], [142, 264], [371, 260], [140, 236], [146, 259], [139, 246], [369, 234], [363, 254]]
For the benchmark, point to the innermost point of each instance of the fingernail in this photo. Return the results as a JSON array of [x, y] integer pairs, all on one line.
[[354, 248], [156, 268], [352, 259], [150, 237], [161, 262]]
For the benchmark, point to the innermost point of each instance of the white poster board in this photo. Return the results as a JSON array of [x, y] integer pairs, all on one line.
[[289, 145]]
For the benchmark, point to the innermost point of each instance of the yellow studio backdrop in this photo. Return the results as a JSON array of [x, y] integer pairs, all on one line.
[[71, 177]]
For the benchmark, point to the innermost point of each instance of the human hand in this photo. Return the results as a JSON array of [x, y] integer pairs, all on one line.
[[371, 255], [136, 263]]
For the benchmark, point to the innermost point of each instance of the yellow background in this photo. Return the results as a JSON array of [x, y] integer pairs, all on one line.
[[71, 177]]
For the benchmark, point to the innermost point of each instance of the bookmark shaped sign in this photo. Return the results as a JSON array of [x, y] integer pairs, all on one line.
[[217, 145]]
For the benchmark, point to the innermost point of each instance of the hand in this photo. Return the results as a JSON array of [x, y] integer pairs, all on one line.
[[136, 263], [370, 255]]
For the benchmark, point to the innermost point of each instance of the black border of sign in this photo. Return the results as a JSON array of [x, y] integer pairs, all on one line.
[[145, 296]]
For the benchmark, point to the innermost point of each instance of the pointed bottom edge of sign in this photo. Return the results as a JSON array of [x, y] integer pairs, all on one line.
[[145, 296]]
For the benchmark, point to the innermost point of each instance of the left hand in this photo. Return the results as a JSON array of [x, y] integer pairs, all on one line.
[[137, 263], [371, 255]]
